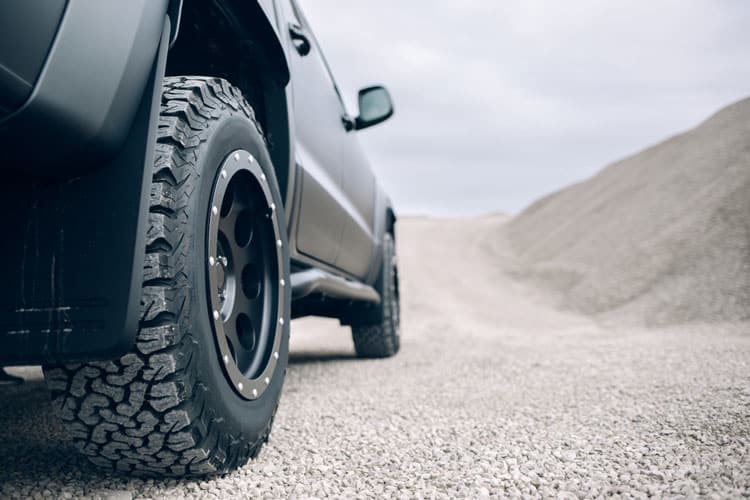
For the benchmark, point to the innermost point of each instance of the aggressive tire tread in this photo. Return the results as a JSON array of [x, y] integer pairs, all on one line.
[[147, 412]]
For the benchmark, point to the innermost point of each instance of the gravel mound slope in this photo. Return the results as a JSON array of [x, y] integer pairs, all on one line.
[[662, 237]]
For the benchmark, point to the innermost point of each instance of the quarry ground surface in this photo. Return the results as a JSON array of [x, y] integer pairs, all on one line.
[[495, 392]]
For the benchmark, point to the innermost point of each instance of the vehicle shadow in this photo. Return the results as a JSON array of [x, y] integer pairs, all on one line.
[[310, 357], [31, 438]]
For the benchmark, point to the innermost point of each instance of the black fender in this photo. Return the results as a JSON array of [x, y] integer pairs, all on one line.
[[72, 259], [88, 91], [385, 222]]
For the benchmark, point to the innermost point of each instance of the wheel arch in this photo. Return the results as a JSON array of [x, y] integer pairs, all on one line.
[[237, 40], [385, 223]]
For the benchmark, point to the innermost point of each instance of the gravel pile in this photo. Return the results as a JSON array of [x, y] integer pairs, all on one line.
[[493, 394], [662, 237]]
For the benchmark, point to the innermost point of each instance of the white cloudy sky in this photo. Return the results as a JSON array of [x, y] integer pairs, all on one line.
[[499, 102]]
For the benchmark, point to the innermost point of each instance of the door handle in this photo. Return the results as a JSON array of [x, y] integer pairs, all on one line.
[[299, 39]]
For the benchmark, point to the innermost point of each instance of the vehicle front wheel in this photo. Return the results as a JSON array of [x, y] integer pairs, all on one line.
[[198, 392]]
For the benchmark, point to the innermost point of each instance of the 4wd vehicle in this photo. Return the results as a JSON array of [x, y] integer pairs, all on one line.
[[180, 180]]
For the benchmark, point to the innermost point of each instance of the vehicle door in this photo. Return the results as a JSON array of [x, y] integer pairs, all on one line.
[[329, 145], [319, 136]]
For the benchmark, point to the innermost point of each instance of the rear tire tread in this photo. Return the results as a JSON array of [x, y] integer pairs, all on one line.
[[381, 338]]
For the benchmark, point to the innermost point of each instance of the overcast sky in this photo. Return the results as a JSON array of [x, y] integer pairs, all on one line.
[[500, 102]]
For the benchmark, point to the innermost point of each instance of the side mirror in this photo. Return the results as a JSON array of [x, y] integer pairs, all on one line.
[[375, 106]]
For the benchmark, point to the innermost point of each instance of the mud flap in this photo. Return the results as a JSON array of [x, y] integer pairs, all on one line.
[[71, 263]]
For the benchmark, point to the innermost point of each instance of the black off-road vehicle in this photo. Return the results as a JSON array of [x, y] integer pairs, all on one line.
[[180, 180]]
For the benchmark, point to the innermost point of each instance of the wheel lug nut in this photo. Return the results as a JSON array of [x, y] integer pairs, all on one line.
[[214, 210], [278, 243], [250, 158], [240, 386], [224, 174], [263, 177], [226, 359], [268, 380], [281, 321], [216, 315], [211, 261], [276, 355], [236, 157], [282, 283], [255, 393]]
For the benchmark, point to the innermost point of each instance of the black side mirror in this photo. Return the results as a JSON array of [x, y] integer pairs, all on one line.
[[375, 106]]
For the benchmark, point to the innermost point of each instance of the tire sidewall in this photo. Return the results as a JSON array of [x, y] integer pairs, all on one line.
[[240, 416]]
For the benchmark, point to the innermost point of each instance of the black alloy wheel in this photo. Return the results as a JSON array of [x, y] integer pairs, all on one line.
[[244, 273]]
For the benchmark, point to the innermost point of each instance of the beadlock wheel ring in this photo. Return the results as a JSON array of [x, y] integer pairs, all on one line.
[[245, 274]]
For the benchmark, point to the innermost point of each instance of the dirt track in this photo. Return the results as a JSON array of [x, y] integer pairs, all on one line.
[[493, 393]]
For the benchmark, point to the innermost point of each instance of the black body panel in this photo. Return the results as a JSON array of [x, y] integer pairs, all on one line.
[[73, 252], [89, 88], [26, 33]]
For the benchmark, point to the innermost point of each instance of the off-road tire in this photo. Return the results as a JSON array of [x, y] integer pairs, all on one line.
[[166, 407], [379, 334]]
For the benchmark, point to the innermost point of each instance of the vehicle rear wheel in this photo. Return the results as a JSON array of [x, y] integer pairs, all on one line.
[[198, 392], [377, 334]]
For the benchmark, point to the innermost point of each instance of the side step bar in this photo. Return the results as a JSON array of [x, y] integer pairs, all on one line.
[[315, 281]]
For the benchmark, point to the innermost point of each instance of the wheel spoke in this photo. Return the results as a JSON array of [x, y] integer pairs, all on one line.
[[241, 305], [255, 251], [230, 331], [243, 358], [238, 253], [227, 224], [256, 313]]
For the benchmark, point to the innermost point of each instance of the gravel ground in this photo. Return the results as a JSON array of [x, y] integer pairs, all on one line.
[[494, 393]]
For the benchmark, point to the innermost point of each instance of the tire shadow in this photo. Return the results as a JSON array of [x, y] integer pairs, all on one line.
[[37, 453], [32, 440]]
